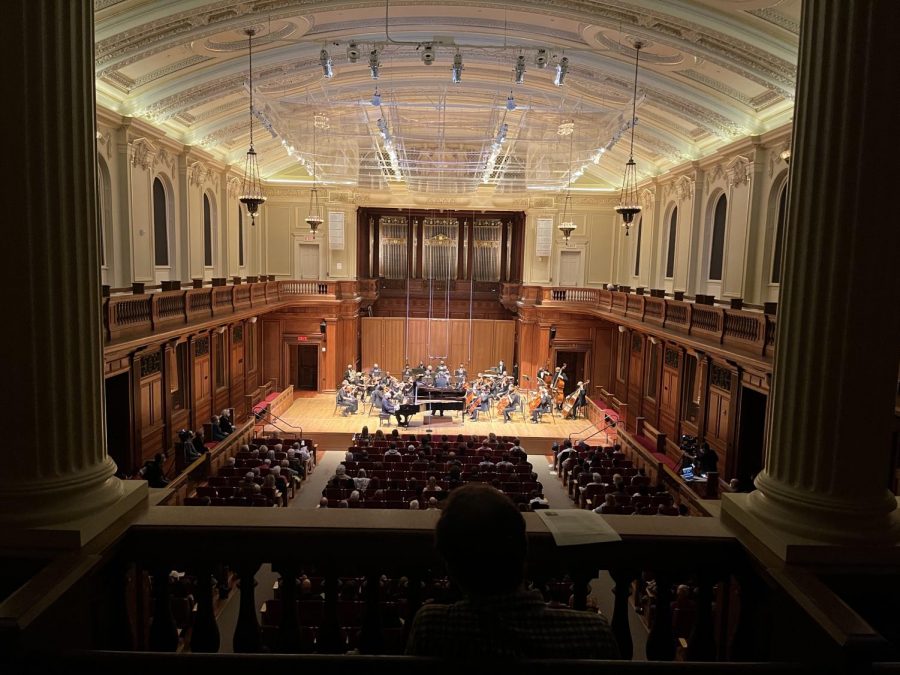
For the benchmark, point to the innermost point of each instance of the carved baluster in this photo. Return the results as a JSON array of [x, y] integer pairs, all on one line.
[[371, 639], [163, 632], [702, 643], [661, 640], [205, 632], [288, 639], [620, 626], [330, 641], [247, 638], [581, 588]]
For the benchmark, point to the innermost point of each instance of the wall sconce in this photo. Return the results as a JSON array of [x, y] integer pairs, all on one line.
[[621, 329], [786, 156], [252, 319], [220, 330], [322, 327], [653, 340], [552, 332]]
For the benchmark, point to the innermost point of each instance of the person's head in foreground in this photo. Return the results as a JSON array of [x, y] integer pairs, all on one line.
[[479, 518]]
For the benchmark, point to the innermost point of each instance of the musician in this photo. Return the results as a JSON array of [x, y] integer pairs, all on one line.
[[377, 397], [350, 373], [407, 370], [544, 372], [442, 368], [543, 406], [484, 398], [559, 375], [428, 377], [387, 406], [347, 400], [376, 372], [501, 368], [580, 399], [442, 379], [512, 405], [460, 375]]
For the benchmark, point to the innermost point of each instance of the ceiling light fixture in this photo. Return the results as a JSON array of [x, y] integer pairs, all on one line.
[[428, 54], [629, 206], [314, 215], [353, 52], [326, 63], [541, 58], [786, 156], [561, 69], [510, 102], [520, 69], [376, 98], [251, 187], [567, 226], [456, 69], [374, 64]]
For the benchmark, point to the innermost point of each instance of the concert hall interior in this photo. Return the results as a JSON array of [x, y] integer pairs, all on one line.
[[340, 259]]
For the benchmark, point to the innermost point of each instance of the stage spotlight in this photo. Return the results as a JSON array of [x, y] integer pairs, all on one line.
[[456, 70], [541, 59], [510, 102], [374, 63], [353, 52], [428, 54], [376, 98], [520, 69], [327, 65], [561, 69]]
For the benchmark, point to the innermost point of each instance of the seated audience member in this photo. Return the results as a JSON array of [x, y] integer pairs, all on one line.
[[538, 501], [296, 464], [248, 487], [414, 505], [217, 433], [361, 481], [392, 451], [481, 537], [431, 487], [323, 503], [154, 473], [340, 479], [225, 423], [354, 500], [608, 506], [343, 504], [432, 504], [379, 435], [187, 445]]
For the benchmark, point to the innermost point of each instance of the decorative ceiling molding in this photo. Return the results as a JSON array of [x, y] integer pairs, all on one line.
[[770, 15]]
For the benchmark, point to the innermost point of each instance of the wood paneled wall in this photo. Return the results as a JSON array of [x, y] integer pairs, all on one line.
[[388, 341]]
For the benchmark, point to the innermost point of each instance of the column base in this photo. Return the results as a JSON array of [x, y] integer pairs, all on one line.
[[800, 537], [77, 533]]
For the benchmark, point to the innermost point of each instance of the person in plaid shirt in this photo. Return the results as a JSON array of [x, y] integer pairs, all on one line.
[[481, 537]]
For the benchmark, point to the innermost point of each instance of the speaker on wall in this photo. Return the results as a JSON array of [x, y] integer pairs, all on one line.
[[552, 332]]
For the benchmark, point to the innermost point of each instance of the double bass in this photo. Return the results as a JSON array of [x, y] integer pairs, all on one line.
[[559, 384], [569, 403]]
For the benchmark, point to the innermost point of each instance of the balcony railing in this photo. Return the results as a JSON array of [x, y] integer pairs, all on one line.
[[143, 310], [750, 330], [746, 609]]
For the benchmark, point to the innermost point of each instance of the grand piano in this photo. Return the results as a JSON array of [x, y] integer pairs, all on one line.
[[432, 401]]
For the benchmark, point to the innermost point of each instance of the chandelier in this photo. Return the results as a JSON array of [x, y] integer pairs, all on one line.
[[629, 206], [251, 187], [314, 215], [566, 226]]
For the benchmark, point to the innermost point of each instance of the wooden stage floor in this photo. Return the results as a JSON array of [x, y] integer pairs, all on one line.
[[317, 417]]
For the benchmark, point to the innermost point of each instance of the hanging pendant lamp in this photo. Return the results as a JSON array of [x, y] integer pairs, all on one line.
[[629, 206], [314, 215], [567, 226], [252, 195]]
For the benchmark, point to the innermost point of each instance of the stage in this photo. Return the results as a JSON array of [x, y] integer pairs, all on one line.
[[317, 416]]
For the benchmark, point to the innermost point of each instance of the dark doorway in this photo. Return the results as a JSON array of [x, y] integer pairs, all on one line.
[[574, 362], [750, 437], [118, 422], [304, 367]]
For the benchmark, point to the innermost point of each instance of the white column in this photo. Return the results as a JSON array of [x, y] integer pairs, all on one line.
[[838, 340], [56, 465]]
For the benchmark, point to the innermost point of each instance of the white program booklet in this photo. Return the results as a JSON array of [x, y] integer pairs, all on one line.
[[572, 527]]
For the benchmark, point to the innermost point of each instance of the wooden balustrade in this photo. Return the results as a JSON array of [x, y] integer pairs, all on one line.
[[744, 610]]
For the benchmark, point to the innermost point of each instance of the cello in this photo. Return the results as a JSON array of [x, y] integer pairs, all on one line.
[[559, 384], [502, 403], [569, 403]]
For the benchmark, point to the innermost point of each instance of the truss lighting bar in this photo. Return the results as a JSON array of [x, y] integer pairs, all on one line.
[[457, 68], [520, 69], [326, 63], [561, 69], [374, 64]]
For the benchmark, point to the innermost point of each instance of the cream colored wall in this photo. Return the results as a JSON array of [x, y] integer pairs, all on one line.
[[750, 172]]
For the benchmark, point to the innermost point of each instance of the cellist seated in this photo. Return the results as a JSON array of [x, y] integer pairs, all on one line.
[[543, 406], [512, 404]]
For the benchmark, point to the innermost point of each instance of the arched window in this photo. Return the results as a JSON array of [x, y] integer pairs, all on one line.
[[160, 224], [240, 237], [207, 232], [778, 254], [717, 250], [104, 185], [670, 250], [637, 247]]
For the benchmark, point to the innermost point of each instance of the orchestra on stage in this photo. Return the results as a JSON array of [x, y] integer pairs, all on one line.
[[435, 389]]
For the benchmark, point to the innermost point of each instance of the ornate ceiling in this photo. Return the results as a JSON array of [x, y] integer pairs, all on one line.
[[711, 71]]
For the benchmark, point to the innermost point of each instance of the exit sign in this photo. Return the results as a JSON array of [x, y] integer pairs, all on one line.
[[302, 338]]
